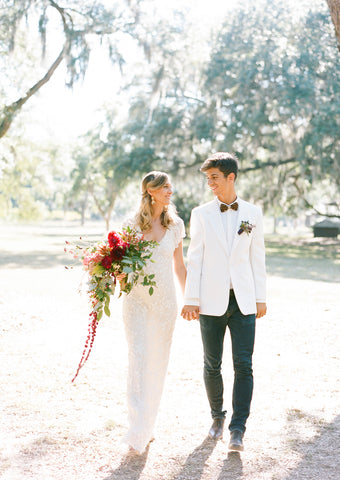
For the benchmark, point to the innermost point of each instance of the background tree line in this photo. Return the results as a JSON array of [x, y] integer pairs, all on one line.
[[264, 84]]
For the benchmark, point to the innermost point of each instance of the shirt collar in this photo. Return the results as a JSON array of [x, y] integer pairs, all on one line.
[[229, 204]]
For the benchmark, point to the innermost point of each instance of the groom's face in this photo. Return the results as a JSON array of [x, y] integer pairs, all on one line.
[[217, 182]]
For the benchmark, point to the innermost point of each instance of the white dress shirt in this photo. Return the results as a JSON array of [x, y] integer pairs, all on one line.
[[229, 220]]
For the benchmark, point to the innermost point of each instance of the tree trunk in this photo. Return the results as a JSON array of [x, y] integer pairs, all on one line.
[[108, 215], [334, 7], [83, 209], [105, 214], [275, 225]]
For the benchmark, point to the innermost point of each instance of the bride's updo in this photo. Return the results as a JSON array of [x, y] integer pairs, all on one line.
[[153, 181]]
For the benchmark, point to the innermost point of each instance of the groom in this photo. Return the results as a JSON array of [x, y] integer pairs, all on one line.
[[226, 287]]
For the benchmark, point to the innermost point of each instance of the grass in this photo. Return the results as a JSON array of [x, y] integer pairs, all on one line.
[[303, 257], [303, 248]]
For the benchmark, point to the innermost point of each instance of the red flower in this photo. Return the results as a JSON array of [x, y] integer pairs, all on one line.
[[114, 239], [107, 262], [118, 253]]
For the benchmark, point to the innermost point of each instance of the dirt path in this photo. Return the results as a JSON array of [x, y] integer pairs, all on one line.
[[51, 429]]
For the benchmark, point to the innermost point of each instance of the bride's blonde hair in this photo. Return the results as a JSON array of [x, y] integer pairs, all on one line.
[[153, 181]]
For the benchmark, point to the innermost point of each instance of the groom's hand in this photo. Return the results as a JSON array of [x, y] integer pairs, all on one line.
[[261, 309], [190, 312]]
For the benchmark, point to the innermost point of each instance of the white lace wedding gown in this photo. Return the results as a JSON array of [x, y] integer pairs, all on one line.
[[149, 322]]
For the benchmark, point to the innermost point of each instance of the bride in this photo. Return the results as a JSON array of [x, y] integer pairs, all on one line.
[[149, 320]]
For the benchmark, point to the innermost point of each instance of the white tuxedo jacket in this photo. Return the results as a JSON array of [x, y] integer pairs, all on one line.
[[211, 266]]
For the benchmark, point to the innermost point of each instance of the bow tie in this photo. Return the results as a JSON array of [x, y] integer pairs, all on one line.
[[224, 207]]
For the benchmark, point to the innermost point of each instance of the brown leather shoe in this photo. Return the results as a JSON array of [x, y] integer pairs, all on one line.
[[236, 441], [216, 430]]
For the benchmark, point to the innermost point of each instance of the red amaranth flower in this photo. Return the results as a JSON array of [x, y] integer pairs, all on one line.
[[92, 328]]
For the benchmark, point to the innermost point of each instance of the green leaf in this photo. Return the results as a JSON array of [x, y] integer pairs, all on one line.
[[100, 295], [127, 260], [98, 270], [150, 290], [127, 270], [107, 310]]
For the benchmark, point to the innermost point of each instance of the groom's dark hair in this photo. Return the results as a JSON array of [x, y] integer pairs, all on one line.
[[224, 161]]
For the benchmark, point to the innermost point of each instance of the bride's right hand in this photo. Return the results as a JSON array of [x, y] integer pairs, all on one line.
[[121, 277], [190, 312]]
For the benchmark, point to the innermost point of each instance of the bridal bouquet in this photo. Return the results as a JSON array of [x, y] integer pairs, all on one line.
[[118, 261]]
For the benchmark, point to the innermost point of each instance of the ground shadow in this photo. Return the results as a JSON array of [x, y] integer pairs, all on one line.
[[303, 258], [25, 460], [130, 468], [319, 269], [321, 455], [195, 463], [35, 259], [50, 253], [232, 467]]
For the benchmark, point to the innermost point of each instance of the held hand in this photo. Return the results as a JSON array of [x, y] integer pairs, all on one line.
[[261, 310], [190, 312], [121, 277]]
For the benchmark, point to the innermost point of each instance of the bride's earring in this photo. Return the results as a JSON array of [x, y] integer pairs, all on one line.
[[152, 200]]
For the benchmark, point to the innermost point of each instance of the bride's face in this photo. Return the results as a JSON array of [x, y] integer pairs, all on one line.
[[162, 195]]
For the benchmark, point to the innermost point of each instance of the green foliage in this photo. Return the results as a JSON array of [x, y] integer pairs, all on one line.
[[272, 91], [78, 19], [78, 22], [30, 180], [267, 87], [185, 201], [269, 92]]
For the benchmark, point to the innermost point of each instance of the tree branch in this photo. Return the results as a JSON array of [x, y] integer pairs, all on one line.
[[322, 214], [63, 15], [259, 165], [9, 112], [309, 205], [334, 8]]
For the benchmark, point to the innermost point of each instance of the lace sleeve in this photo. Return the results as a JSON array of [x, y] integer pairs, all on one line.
[[179, 231]]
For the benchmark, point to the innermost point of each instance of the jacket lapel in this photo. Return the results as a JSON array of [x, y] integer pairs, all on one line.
[[215, 220], [241, 214]]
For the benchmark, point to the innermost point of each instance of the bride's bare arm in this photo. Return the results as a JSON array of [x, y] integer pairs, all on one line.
[[179, 266]]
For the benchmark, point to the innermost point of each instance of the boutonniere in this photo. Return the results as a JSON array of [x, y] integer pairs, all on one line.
[[245, 226]]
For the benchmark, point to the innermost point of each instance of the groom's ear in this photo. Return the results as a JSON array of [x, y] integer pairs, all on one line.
[[231, 177]]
